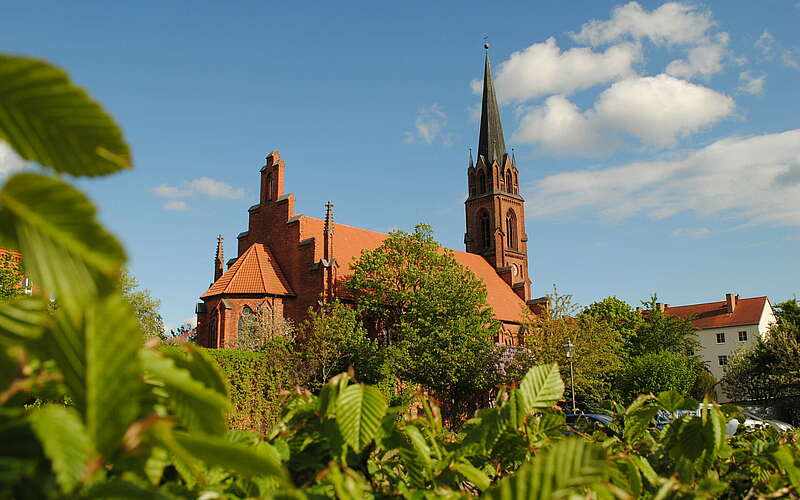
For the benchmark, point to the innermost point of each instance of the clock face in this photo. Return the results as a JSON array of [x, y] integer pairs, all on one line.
[[514, 269]]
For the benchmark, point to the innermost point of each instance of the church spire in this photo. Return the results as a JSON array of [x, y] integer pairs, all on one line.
[[219, 260], [491, 143]]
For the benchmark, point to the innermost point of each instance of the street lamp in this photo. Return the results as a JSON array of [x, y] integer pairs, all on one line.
[[569, 346]]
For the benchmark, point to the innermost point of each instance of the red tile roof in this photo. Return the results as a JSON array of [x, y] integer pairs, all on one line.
[[255, 271], [715, 314], [349, 241]]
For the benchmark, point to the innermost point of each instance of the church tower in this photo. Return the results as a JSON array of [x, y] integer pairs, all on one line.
[[495, 211]]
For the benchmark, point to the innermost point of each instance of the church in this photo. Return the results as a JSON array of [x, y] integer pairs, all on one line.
[[289, 262]]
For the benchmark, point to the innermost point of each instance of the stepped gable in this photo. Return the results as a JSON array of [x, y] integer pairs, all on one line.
[[254, 272], [350, 241]]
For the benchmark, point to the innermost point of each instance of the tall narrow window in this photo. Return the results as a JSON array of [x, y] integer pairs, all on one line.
[[472, 184], [509, 182], [485, 232], [212, 330], [511, 229], [481, 182], [245, 312], [269, 186]]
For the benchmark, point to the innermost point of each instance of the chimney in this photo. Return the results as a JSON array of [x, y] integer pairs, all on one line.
[[660, 306], [219, 261], [730, 302]]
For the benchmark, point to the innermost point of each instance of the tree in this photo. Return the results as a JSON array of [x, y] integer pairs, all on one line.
[[261, 329], [595, 353], [11, 277], [332, 339], [144, 305], [663, 332], [619, 316], [431, 314], [788, 312], [658, 371]]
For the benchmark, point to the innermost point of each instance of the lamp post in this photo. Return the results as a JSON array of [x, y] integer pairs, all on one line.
[[569, 346]]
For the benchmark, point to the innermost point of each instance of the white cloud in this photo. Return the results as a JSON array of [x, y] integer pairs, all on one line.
[[766, 44], [790, 59], [10, 162], [695, 233], [751, 84], [704, 60], [670, 24], [176, 205], [429, 126], [657, 110], [543, 69], [752, 180], [201, 185], [559, 127]]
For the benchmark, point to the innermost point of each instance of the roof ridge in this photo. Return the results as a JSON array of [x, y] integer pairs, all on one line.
[[260, 267], [718, 301]]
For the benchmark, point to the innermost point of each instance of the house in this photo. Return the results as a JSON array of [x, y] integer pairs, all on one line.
[[289, 261], [725, 326]]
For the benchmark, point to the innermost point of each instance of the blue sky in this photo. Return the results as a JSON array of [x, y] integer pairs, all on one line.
[[659, 144]]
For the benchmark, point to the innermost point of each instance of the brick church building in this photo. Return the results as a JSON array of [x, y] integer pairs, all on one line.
[[290, 261]]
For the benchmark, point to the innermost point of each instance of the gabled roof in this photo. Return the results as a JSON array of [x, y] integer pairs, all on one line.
[[349, 241], [255, 271], [715, 314]]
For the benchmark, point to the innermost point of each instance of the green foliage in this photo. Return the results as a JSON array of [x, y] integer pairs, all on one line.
[[619, 316], [261, 328], [788, 313], [656, 372], [432, 314], [11, 276], [144, 305], [663, 332]]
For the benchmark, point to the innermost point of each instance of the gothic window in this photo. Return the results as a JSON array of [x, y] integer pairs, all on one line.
[[245, 311], [269, 186], [472, 184], [511, 229], [212, 330], [485, 231], [509, 182], [481, 182]]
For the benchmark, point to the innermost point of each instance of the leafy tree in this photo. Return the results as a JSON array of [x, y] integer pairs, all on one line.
[[432, 314], [332, 339], [144, 305], [619, 316], [659, 371], [261, 329], [788, 312], [663, 332], [11, 277], [595, 353]]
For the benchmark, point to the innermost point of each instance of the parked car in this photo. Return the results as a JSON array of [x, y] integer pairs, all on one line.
[[751, 421], [587, 423]]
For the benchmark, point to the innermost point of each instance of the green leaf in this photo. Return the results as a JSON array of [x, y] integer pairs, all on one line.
[[568, 466], [23, 318], [672, 400], [118, 488], [47, 119], [66, 443], [201, 367], [473, 475], [197, 406], [67, 252], [219, 452], [359, 410], [542, 386], [97, 354]]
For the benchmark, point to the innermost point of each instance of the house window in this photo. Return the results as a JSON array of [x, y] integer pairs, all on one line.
[[721, 338], [723, 360], [743, 336]]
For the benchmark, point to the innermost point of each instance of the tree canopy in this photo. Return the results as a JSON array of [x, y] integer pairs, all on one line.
[[144, 305]]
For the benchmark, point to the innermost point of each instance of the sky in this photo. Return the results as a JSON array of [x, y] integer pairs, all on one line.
[[658, 143]]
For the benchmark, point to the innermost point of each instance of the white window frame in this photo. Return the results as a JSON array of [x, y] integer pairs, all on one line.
[[722, 360], [723, 337], [745, 336]]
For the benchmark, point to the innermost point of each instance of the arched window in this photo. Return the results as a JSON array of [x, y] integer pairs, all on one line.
[[481, 182], [511, 229], [212, 330], [485, 231], [472, 184], [245, 312], [509, 182], [269, 186]]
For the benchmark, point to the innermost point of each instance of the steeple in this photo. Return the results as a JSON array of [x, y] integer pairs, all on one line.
[[491, 143], [219, 259]]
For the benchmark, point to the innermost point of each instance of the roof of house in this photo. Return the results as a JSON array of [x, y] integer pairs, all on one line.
[[255, 271], [715, 314], [349, 241]]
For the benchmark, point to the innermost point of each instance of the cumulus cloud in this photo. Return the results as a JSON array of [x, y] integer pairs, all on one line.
[[176, 205], [10, 161], [429, 126], [201, 185], [655, 109], [751, 180], [751, 84], [695, 233], [670, 24], [704, 60], [543, 69]]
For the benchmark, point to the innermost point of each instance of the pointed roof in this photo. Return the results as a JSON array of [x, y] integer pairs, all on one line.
[[491, 144], [255, 271]]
